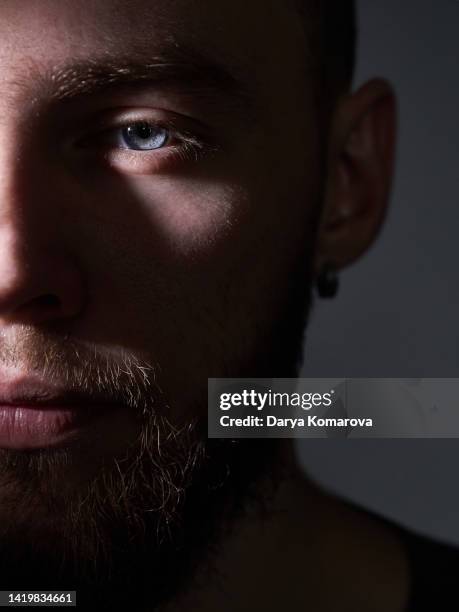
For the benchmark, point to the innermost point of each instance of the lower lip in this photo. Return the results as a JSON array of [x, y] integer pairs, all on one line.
[[34, 427]]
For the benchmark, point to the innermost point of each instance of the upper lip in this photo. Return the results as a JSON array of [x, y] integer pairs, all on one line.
[[25, 390]]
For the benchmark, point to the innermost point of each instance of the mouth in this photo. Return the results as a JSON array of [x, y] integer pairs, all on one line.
[[36, 415]]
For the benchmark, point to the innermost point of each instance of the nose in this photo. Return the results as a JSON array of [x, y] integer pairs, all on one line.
[[36, 287], [40, 280]]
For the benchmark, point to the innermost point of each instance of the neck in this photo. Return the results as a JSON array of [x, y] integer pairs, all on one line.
[[307, 551]]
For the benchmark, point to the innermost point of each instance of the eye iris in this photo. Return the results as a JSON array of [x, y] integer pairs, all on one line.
[[143, 137]]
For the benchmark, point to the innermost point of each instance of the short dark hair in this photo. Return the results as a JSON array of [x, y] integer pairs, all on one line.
[[331, 27]]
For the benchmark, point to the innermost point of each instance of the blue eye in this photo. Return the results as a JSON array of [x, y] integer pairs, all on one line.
[[142, 136]]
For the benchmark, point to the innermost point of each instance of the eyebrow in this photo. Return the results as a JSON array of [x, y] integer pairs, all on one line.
[[183, 70]]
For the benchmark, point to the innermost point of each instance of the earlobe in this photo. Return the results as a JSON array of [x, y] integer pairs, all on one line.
[[360, 167]]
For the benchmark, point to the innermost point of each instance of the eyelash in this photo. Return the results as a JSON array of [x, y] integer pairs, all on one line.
[[187, 148]]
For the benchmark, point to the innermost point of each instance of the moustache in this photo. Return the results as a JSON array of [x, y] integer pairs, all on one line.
[[86, 371]]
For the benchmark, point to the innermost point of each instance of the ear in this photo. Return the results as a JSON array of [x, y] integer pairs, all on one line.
[[360, 167]]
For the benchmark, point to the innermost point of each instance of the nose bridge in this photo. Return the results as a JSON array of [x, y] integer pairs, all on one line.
[[35, 267], [16, 211], [22, 218], [18, 164]]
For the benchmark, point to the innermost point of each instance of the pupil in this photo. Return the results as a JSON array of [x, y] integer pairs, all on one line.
[[143, 131]]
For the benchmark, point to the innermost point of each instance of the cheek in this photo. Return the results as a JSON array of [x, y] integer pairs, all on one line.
[[181, 242], [160, 249], [190, 217]]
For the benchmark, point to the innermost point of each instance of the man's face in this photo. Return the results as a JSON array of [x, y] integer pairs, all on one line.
[[160, 169]]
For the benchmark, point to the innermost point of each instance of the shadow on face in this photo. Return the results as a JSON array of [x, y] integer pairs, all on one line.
[[168, 193]]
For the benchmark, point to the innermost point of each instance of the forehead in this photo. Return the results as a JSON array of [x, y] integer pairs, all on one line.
[[255, 36]]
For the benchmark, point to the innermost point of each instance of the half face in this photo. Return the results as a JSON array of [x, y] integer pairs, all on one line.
[[158, 172], [159, 163], [159, 178]]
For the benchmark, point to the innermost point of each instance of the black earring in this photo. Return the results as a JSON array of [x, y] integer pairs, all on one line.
[[328, 281]]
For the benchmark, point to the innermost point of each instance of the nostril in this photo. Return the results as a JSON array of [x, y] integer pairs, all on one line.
[[39, 308], [47, 301], [40, 288]]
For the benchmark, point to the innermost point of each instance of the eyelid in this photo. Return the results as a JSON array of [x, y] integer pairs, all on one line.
[[102, 134], [187, 144], [190, 140], [185, 128]]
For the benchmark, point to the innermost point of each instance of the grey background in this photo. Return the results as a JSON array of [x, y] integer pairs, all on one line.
[[397, 314]]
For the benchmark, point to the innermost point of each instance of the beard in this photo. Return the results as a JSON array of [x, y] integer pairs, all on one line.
[[132, 529], [124, 531], [135, 536]]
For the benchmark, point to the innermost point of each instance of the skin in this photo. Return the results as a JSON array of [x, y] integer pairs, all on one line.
[[184, 264]]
